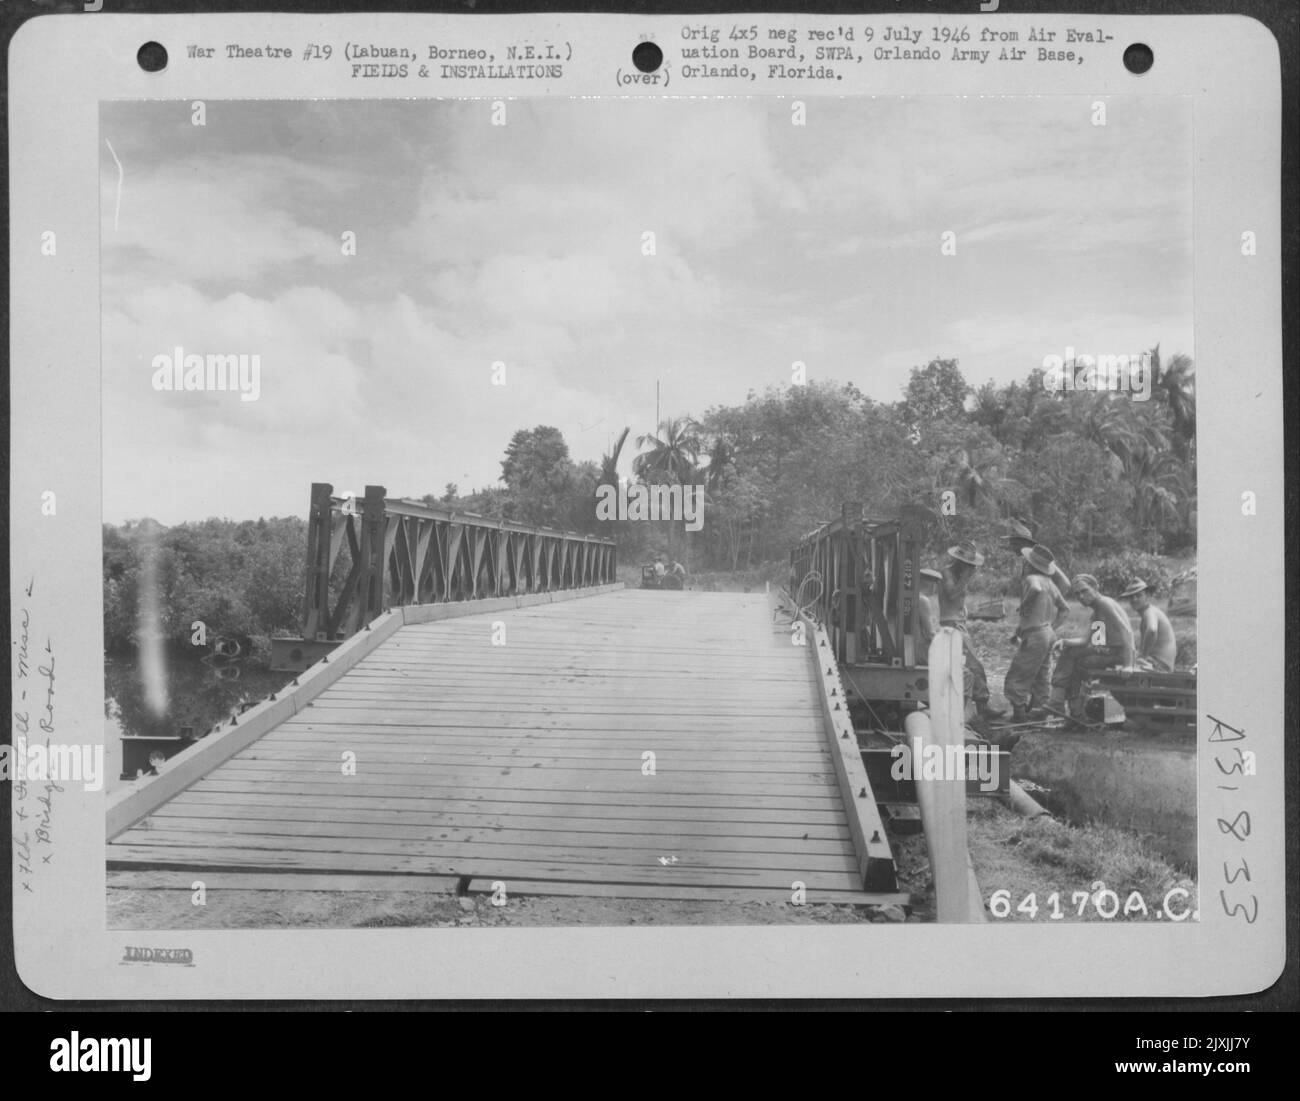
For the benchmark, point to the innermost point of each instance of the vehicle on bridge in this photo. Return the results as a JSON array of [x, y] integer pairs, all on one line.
[[652, 579]]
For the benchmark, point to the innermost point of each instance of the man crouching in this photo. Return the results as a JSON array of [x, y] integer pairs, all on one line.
[[1109, 643]]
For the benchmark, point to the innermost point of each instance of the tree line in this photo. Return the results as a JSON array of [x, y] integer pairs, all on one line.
[[1091, 472]]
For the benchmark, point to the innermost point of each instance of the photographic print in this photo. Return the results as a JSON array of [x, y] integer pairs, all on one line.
[[729, 380], [720, 499]]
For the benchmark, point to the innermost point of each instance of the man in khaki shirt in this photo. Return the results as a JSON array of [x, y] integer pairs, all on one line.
[[954, 576], [1018, 540], [1042, 610]]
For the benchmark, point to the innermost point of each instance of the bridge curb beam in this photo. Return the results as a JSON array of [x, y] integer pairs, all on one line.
[[870, 843]]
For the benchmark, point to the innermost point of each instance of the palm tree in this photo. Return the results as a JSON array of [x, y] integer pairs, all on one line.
[[1140, 444], [1160, 488], [609, 462], [1174, 386], [609, 477], [1111, 424], [1158, 475], [673, 453], [671, 458]]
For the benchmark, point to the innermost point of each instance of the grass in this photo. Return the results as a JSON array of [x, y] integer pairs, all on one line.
[[1042, 856], [1120, 858]]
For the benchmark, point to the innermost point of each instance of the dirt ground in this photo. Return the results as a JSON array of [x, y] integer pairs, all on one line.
[[172, 909]]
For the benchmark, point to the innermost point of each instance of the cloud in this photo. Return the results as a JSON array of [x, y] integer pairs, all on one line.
[[212, 218], [380, 390]]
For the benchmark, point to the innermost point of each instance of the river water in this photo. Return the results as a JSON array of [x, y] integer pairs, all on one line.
[[199, 694]]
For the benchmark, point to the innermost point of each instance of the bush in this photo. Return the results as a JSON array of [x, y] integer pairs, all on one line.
[[240, 579], [1115, 571]]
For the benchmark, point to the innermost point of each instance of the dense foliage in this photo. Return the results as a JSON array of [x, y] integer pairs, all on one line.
[[238, 579], [1097, 474]]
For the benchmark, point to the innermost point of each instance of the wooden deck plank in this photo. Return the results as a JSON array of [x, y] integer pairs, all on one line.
[[612, 813], [342, 818], [215, 882], [737, 742], [199, 856], [705, 841], [278, 748], [431, 793], [668, 764], [422, 700], [485, 850], [383, 719], [614, 780]]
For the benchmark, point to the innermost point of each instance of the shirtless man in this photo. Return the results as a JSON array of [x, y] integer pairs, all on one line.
[[1109, 643], [1157, 648], [955, 574]]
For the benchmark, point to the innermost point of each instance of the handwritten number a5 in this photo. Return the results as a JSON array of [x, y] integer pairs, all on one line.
[[1240, 909], [1232, 827]]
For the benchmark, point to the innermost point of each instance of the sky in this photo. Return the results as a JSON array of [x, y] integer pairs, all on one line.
[[524, 244]]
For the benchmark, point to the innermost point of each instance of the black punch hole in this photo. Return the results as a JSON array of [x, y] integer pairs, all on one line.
[[647, 57], [152, 57], [1138, 58]]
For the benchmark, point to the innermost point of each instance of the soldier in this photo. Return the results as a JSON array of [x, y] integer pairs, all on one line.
[[954, 576], [1109, 643], [1157, 647], [1042, 610], [1020, 539]]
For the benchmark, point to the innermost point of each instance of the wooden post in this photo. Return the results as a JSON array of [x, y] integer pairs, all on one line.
[[317, 588], [500, 562], [940, 744], [909, 552], [371, 546]]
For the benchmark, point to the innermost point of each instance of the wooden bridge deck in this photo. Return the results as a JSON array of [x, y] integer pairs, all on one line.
[[525, 763]]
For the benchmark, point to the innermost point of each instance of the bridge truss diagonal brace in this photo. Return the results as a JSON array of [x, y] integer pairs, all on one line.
[[870, 843]]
